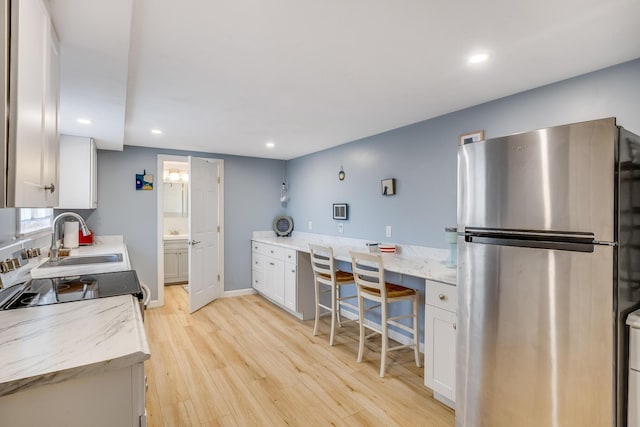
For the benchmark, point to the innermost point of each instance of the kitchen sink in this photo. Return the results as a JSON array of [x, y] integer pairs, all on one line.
[[82, 260]]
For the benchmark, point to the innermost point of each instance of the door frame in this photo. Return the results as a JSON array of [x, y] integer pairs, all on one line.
[[161, 158]]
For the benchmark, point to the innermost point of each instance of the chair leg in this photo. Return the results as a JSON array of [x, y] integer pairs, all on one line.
[[315, 325], [338, 306], [416, 341], [333, 314], [361, 322], [385, 338]]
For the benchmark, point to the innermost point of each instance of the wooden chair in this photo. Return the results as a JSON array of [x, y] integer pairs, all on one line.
[[329, 280], [368, 272]]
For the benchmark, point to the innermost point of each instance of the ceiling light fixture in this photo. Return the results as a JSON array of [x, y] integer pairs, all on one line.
[[84, 121], [156, 131], [270, 144], [478, 58]]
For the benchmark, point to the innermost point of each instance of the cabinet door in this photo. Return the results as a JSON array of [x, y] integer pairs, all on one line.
[[51, 135], [440, 351], [170, 266], [29, 93], [183, 265], [257, 278], [77, 172], [277, 280], [290, 281]]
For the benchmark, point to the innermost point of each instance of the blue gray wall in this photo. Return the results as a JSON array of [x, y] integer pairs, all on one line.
[[422, 158], [252, 199]]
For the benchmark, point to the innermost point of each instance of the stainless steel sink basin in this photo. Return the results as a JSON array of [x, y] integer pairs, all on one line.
[[82, 260]]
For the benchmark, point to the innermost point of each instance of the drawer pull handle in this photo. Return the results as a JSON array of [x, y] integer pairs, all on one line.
[[455, 326], [442, 297], [271, 263], [293, 271]]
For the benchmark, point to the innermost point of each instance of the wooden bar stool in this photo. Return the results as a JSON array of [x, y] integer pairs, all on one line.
[[368, 272], [329, 280]]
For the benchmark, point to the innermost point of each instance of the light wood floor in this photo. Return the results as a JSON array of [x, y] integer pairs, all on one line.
[[244, 362]]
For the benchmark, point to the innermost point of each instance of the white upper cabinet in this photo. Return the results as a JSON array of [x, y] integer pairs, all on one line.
[[34, 103], [78, 173]]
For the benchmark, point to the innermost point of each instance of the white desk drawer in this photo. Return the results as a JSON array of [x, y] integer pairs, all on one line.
[[290, 255], [272, 251], [441, 296]]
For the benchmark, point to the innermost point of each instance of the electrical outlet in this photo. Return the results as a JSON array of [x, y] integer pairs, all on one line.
[[387, 231], [340, 228], [310, 225]]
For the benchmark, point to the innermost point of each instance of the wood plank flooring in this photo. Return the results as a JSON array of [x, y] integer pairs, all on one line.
[[244, 362]]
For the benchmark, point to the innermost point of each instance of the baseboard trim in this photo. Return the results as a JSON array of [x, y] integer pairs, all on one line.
[[238, 293]]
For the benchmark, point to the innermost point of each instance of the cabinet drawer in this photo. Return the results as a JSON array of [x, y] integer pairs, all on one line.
[[290, 256], [268, 250], [257, 261], [175, 245], [442, 296]]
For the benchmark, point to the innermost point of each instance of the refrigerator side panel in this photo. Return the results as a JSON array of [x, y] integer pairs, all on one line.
[[627, 291], [534, 334], [556, 179]]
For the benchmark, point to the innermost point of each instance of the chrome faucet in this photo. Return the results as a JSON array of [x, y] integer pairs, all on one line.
[[53, 250]]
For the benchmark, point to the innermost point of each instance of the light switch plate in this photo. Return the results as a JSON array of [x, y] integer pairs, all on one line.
[[310, 225], [340, 228], [387, 231]]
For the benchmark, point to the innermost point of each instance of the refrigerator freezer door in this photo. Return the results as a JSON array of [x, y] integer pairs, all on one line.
[[555, 179], [535, 337]]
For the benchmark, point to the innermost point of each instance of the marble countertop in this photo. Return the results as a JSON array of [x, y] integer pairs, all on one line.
[[54, 343], [103, 245], [426, 263]]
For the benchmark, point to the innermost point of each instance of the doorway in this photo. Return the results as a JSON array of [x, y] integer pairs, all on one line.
[[190, 228]]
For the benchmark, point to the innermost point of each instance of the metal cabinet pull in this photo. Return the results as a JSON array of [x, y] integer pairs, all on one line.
[[271, 263], [194, 242], [455, 326], [442, 297]]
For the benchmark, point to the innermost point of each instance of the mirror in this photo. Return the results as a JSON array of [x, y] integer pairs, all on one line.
[[175, 199]]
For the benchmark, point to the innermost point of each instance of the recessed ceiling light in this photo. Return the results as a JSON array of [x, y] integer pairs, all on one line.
[[156, 131], [478, 58], [270, 144], [84, 121]]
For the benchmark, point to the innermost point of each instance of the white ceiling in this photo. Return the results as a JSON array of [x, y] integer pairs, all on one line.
[[226, 76]]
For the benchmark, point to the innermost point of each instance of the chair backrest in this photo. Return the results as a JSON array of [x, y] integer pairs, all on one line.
[[368, 270], [322, 262]]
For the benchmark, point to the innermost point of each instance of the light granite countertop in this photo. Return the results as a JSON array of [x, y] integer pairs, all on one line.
[[54, 343], [103, 245], [417, 261]]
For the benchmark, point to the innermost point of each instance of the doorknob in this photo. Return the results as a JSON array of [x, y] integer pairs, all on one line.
[[51, 187], [194, 242]]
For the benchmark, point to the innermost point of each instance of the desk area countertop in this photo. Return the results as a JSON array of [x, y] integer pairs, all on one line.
[[55, 343], [422, 262]]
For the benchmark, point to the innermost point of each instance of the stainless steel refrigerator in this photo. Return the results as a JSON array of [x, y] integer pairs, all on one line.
[[548, 269]]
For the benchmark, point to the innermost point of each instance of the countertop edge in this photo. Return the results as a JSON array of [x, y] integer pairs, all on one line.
[[389, 267], [15, 386]]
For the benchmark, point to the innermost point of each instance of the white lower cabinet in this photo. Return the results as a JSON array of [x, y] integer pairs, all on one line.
[[284, 276], [115, 398], [440, 341], [176, 261]]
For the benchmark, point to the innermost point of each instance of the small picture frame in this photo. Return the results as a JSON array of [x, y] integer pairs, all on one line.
[[340, 211], [388, 186], [468, 138]]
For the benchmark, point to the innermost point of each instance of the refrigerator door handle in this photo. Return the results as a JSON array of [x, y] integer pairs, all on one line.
[[539, 242]]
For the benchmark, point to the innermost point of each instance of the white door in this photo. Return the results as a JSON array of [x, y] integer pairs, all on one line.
[[204, 220]]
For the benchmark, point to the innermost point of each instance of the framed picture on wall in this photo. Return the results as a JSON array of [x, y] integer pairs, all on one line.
[[468, 138], [340, 211], [388, 186]]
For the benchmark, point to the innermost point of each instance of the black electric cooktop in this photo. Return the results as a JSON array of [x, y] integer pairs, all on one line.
[[58, 290]]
